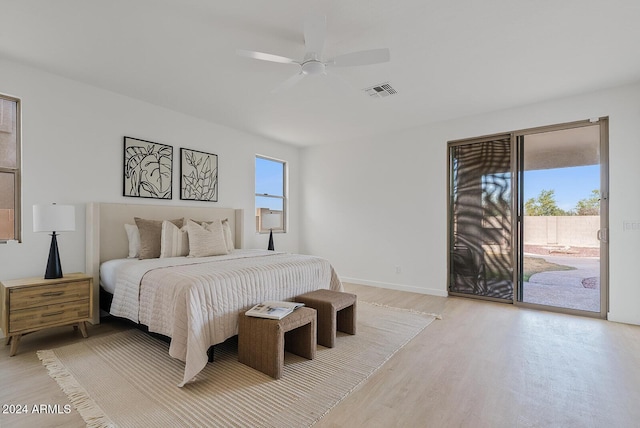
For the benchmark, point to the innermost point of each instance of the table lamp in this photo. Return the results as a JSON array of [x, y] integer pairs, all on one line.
[[271, 220], [54, 218]]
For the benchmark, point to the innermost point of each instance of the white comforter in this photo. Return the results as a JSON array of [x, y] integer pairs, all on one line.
[[196, 301]]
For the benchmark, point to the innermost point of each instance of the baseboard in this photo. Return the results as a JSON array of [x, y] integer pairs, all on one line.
[[400, 287], [611, 316]]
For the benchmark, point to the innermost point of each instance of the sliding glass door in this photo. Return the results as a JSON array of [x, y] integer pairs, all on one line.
[[528, 218]]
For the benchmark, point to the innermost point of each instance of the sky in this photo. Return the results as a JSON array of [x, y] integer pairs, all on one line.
[[570, 184], [269, 179]]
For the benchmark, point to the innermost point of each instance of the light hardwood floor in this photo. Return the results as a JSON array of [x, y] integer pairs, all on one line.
[[483, 365]]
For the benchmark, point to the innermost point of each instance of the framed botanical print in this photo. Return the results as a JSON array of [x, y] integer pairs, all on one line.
[[198, 176], [148, 169]]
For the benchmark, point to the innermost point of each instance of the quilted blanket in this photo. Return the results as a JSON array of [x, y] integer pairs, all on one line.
[[197, 301]]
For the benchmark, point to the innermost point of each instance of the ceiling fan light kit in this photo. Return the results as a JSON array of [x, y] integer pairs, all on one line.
[[313, 68], [312, 65]]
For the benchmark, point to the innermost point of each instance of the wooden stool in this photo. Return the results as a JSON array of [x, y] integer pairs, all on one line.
[[262, 341], [336, 312]]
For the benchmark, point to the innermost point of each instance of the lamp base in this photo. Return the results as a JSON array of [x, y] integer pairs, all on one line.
[[54, 268], [270, 247]]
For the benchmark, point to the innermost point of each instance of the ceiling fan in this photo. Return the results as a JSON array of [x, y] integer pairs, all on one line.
[[315, 28]]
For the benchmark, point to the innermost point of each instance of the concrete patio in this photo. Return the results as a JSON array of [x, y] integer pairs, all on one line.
[[574, 289]]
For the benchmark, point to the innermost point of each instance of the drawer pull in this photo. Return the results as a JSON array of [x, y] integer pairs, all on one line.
[[51, 314], [52, 293]]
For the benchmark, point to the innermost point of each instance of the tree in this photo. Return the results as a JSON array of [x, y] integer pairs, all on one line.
[[590, 205], [544, 204]]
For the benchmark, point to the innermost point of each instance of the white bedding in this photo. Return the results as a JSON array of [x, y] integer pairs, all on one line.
[[108, 273], [196, 301]]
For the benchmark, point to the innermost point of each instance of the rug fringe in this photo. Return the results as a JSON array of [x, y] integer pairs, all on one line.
[[413, 311], [92, 414]]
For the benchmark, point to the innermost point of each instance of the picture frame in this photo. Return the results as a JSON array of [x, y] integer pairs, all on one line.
[[198, 176], [148, 169]]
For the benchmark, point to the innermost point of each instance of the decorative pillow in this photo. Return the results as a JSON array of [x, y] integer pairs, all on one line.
[[226, 228], [134, 240], [206, 240], [151, 236], [228, 236], [174, 241]]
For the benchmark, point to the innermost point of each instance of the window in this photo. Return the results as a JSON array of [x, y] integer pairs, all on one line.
[[271, 197], [9, 168]]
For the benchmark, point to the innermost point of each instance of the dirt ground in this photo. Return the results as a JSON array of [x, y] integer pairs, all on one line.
[[562, 250]]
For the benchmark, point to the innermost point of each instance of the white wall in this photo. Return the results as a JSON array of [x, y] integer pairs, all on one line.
[[378, 207], [370, 207], [72, 143]]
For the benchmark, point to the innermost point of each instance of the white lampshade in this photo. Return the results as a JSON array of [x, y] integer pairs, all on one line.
[[272, 220], [54, 218]]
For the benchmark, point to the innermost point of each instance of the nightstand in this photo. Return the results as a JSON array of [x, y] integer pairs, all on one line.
[[32, 304]]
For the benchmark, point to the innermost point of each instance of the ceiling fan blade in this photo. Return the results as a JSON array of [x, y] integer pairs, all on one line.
[[315, 32], [373, 56], [288, 83], [266, 57]]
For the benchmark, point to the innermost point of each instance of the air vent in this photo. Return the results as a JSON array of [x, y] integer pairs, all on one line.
[[380, 91]]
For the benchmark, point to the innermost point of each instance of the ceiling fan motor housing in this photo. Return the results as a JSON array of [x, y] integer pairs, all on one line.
[[313, 68]]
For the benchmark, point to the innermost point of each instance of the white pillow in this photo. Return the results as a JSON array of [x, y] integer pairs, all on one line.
[[228, 237], [174, 241], [206, 240], [134, 240]]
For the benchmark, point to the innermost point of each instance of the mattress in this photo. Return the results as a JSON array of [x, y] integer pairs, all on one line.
[[108, 271]]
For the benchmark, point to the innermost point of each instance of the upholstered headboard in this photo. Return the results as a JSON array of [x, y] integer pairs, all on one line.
[[107, 239]]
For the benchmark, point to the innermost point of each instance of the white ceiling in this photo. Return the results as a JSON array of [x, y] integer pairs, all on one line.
[[449, 58]]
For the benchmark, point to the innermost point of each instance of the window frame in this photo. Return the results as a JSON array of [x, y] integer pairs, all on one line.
[[17, 173], [283, 198]]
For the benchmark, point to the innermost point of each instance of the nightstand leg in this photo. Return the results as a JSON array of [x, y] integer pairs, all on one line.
[[83, 329], [8, 341], [14, 344]]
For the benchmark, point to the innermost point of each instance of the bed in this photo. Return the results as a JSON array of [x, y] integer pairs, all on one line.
[[195, 301]]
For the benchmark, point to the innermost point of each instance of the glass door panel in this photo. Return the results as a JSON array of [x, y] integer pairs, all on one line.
[[560, 195], [480, 254]]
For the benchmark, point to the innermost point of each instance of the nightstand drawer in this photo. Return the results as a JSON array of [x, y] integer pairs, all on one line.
[[31, 297], [42, 316]]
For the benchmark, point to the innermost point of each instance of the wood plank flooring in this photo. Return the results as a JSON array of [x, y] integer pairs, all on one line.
[[483, 365]]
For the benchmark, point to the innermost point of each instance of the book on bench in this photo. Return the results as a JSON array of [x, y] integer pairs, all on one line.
[[273, 310]]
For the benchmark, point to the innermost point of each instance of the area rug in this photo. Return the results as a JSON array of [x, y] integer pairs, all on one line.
[[128, 379]]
